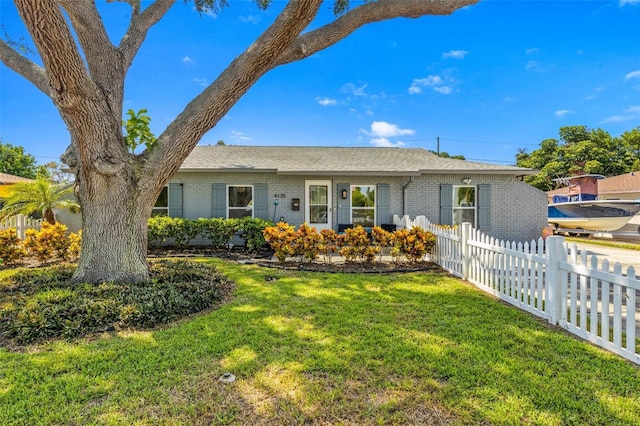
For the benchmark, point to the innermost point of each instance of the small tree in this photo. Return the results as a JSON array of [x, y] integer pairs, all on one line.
[[40, 196]]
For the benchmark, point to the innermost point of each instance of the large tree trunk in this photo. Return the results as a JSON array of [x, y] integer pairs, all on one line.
[[114, 233]]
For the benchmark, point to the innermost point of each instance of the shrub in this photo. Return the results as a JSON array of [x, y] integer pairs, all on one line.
[[356, 245], [330, 242], [281, 238], [184, 230], [414, 243], [73, 251], [11, 252], [380, 238], [37, 304], [307, 242], [50, 243], [158, 230], [219, 231], [251, 231]]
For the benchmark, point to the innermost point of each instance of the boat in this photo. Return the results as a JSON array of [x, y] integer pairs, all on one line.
[[581, 210]]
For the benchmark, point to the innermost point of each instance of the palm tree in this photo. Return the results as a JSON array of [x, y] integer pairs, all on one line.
[[39, 196]]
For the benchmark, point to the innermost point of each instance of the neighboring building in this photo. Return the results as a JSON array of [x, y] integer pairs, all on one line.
[[328, 187], [6, 181], [621, 187]]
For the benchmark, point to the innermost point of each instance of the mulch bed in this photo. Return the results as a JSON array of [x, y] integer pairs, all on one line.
[[264, 258]]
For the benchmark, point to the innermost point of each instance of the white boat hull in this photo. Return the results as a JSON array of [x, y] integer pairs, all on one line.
[[594, 215]]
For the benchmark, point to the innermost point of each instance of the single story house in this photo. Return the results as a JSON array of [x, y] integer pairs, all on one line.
[[330, 187]]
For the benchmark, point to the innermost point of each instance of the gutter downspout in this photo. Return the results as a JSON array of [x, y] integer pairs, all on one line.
[[404, 195]]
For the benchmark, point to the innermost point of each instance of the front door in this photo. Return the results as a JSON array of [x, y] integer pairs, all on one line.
[[317, 209]]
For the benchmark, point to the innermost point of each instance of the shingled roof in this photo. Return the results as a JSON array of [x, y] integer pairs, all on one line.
[[7, 178], [298, 160]]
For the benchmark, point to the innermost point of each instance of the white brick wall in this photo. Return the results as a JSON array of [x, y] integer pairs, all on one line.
[[519, 211]]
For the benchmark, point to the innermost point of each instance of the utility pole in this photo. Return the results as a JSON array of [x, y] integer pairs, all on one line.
[[438, 146]]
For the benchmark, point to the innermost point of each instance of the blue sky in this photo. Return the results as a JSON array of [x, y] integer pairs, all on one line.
[[487, 80]]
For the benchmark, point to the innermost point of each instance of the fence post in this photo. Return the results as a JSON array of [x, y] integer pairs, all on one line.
[[21, 225], [466, 257], [553, 286]]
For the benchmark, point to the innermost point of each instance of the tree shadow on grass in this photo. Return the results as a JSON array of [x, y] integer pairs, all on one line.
[[326, 349]]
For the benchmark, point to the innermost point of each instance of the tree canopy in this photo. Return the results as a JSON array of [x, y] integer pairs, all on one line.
[[581, 150], [84, 73], [15, 161]]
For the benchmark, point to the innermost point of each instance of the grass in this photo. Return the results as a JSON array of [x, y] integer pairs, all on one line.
[[319, 348]]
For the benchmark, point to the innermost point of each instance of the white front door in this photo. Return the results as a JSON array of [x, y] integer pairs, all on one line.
[[317, 209]]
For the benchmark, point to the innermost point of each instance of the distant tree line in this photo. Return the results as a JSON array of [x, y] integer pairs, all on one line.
[[581, 150]]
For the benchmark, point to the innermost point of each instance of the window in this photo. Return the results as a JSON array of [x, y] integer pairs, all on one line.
[[363, 205], [161, 208], [464, 205], [239, 201]]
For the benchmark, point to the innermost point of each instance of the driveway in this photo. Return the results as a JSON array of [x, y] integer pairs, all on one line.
[[626, 257]]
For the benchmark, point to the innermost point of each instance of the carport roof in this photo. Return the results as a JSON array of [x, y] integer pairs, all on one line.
[[307, 160]]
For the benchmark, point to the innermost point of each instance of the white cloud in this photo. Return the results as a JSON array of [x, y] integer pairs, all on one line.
[[250, 19], [562, 112], [631, 113], [326, 101], [434, 82], [532, 65], [632, 74], [383, 129], [239, 136], [456, 54], [187, 59], [532, 50], [354, 90], [385, 143], [445, 90], [201, 81], [625, 2]]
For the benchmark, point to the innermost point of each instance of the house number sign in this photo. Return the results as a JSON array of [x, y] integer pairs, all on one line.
[[280, 195]]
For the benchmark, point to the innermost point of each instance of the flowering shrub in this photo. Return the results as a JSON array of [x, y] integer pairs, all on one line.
[[307, 243], [356, 245], [380, 238], [281, 238], [11, 252], [413, 244], [48, 243], [330, 242], [51, 243]]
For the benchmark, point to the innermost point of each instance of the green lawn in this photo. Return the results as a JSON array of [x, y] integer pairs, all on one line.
[[319, 348]]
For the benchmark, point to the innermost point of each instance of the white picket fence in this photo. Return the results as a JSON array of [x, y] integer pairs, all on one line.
[[547, 278], [21, 223]]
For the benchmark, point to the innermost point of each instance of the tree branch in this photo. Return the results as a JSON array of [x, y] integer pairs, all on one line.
[[139, 26], [201, 114], [23, 66], [63, 64], [321, 38]]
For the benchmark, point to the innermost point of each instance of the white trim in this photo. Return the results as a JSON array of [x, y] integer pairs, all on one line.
[[253, 194], [329, 204], [474, 207], [375, 202]]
